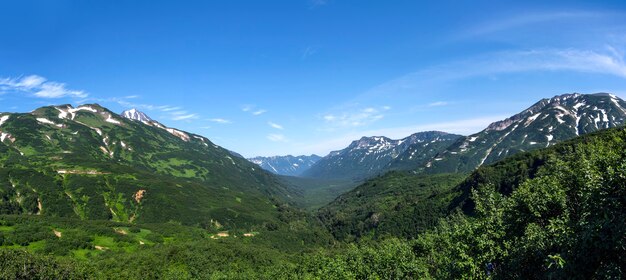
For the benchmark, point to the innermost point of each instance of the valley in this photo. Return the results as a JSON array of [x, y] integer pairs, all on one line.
[[87, 192], [312, 139]]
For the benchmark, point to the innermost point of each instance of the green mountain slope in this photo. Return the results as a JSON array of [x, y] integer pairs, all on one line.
[[397, 204], [556, 213], [91, 163]]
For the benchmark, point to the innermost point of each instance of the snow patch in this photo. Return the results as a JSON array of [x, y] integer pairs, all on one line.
[[578, 105], [178, 134], [110, 119], [3, 119], [47, 121], [532, 119]]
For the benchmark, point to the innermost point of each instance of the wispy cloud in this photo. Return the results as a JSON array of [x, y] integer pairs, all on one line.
[[174, 113], [184, 117], [167, 108], [259, 112], [308, 51], [275, 125], [437, 104], [608, 60], [276, 137], [521, 20], [252, 109], [354, 118], [38, 86], [220, 120], [247, 108]]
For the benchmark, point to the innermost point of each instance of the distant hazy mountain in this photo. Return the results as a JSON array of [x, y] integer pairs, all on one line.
[[546, 123], [369, 156], [286, 165]]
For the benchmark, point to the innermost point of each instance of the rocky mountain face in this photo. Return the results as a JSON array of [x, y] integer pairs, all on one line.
[[369, 156], [545, 123], [91, 163], [286, 165]]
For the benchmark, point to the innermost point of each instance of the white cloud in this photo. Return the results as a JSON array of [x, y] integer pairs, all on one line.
[[276, 137], [259, 112], [437, 104], [184, 117], [220, 120], [39, 87], [167, 108], [275, 125], [252, 109]]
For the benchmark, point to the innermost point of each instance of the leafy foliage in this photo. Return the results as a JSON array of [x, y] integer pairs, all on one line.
[[399, 204]]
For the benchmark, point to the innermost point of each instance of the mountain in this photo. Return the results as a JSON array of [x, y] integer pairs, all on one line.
[[545, 123], [90, 163], [405, 204], [369, 156], [423, 150], [133, 114], [286, 165]]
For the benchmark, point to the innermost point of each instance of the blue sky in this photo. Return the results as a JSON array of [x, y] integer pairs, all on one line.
[[309, 76]]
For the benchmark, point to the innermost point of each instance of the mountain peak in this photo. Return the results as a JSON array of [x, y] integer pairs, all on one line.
[[134, 114]]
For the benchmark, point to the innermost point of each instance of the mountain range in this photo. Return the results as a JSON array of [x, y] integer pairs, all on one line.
[[547, 122], [371, 155], [90, 163], [286, 165], [126, 197]]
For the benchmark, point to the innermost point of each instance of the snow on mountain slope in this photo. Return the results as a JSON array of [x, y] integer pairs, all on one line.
[[545, 123]]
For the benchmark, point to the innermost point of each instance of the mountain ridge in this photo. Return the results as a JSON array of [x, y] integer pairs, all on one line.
[[368, 156], [286, 165], [545, 123]]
